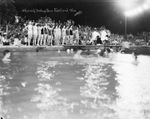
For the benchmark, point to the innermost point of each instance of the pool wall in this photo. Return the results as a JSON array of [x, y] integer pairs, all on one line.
[[53, 48], [145, 50]]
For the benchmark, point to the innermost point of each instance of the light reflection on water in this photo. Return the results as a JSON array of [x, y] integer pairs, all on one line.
[[59, 86], [133, 89]]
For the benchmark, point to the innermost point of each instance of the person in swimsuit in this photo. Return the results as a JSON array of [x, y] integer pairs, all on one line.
[[29, 27], [45, 34], [35, 34], [71, 35], [42, 35], [67, 36], [39, 35], [64, 35]]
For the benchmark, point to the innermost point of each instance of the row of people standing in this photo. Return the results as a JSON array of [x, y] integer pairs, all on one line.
[[42, 34], [51, 34]]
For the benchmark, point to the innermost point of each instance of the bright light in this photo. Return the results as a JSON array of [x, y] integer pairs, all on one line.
[[145, 6], [148, 1], [139, 9], [127, 4], [134, 12], [126, 13], [131, 13]]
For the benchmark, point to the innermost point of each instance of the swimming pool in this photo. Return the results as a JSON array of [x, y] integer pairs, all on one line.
[[52, 85]]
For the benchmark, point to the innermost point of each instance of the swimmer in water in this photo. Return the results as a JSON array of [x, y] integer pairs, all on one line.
[[58, 51], [78, 55], [6, 56], [101, 52], [71, 50], [68, 51], [135, 55], [104, 52]]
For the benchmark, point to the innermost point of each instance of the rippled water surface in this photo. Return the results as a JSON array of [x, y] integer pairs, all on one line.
[[51, 85]]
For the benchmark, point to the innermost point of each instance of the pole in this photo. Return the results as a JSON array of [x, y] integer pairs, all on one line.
[[126, 27]]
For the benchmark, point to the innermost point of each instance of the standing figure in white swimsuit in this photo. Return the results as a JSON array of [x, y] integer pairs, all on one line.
[[29, 28], [64, 35], [76, 34], [35, 34], [56, 35], [59, 35]]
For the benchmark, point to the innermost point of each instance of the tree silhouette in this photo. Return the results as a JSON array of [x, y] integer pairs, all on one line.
[[7, 11]]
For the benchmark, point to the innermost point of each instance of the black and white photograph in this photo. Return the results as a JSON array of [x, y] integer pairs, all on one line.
[[74, 59]]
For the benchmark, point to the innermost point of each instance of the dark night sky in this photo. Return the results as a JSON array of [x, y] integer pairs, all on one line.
[[94, 13]]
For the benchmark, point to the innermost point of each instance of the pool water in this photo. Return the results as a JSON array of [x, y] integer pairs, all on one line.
[[52, 85]]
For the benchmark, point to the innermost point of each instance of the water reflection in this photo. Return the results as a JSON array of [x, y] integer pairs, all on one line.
[[133, 90], [10, 86], [95, 83], [94, 104], [3, 92], [43, 70], [48, 99], [97, 104], [42, 90]]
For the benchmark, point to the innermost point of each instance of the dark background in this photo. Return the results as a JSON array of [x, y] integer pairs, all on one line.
[[95, 13]]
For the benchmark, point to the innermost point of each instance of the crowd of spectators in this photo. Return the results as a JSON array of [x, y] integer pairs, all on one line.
[[48, 32]]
